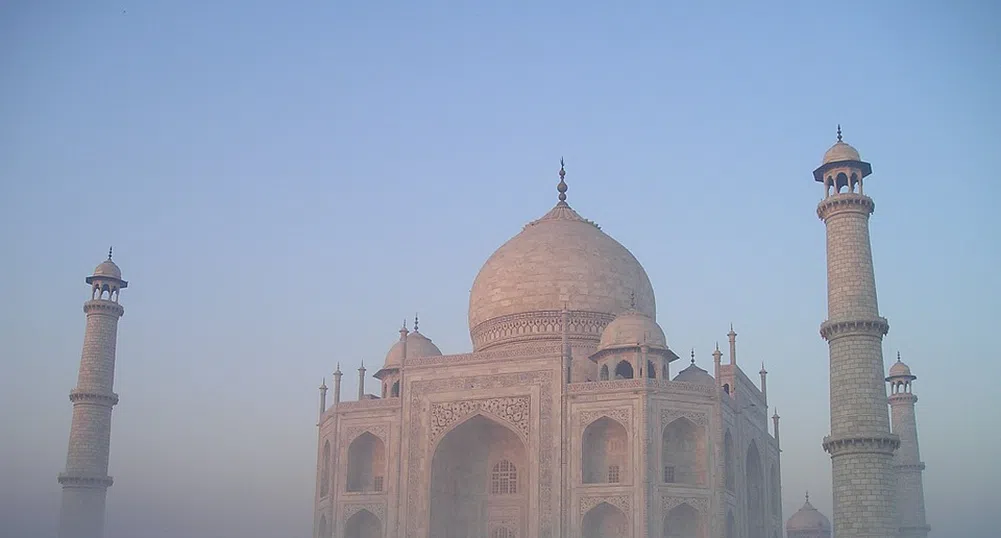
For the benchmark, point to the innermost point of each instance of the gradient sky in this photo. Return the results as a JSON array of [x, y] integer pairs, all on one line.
[[283, 183]]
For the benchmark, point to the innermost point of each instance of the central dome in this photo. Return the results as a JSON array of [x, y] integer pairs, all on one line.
[[559, 261]]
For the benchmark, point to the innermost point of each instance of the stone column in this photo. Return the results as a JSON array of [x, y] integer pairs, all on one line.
[[85, 481], [860, 444]]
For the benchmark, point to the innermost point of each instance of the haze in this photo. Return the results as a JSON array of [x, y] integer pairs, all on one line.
[[285, 183]]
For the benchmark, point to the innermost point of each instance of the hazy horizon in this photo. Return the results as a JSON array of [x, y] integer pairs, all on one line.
[[283, 185]]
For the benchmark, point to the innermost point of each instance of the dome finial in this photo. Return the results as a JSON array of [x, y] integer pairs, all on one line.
[[807, 495], [109, 252], [898, 356], [839, 132], [562, 187], [693, 355], [415, 322]]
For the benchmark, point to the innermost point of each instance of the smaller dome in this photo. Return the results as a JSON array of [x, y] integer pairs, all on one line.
[[841, 151], [108, 269], [808, 518], [900, 369], [694, 374], [418, 345], [632, 328]]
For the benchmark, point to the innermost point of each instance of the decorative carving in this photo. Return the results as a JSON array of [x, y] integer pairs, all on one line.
[[622, 415], [668, 416], [846, 201], [419, 445], [830, 330], [641, 383], [701, 504], [527, 349], [376, 509], [622, 502], [515, 411], [351, 432], [375, 403], [536, 325], [506, 516]]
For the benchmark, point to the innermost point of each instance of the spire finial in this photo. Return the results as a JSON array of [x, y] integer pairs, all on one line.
[[110, 249], [693, 355], [338, 370], [807, 495], [898, 356], [717, 345], [562, 187], [839, 132], [416, 320]]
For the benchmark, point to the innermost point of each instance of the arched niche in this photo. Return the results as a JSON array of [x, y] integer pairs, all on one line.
[[478, 467], [684, 452], [604, 521], [729, 478], [623, 370], [325, 470], [363, 524], [682, 521], [604, 452], [366, 463], [754, 482], [323, 530]]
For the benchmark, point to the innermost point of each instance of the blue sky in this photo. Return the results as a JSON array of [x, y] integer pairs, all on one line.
[[284, 183]]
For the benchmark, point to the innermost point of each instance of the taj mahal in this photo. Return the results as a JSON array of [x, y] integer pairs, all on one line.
[[573, 416]]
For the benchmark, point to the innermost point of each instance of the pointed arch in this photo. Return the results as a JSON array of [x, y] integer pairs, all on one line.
[[363, 524], [604, 521], [477, 466], [395, 391], [775, 490], [323, 531], [603, 376], [684, 451], [682, 521], [623, 370], [604, 452], [755, 492], [651, 370], [325, 470], [366, 463], [729, 477]]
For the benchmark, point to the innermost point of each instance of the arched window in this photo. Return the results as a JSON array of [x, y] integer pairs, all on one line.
[[395, 393], [504, 478], [651, 370], [603, 376], [624, 370]]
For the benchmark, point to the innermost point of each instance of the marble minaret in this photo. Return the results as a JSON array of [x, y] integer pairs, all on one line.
[[85, 481], [860, 444], [907, 462]]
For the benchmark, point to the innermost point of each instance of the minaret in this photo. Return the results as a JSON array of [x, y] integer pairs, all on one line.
[[907, 460], [717, 355], [337, 384], [860, 444], [85, 481], [764, 387], [733, 345], [775, 424], [361, 382], [323, 398]]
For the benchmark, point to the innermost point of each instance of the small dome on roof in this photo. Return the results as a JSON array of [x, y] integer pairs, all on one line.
[[808, 518], [632, 328], [841, 151], [109, 269], [694, 374], [418, 345], [900, 369]]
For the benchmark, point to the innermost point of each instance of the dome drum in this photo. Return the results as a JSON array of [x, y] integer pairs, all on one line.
[[536, 326]]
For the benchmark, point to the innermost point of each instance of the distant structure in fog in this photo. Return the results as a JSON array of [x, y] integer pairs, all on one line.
[[808, 522], [564, 421], [907, 462], [85, 481]]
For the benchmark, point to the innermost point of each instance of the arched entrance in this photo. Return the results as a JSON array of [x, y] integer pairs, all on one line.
[[363, 524], [479, 472], [684, 451], [604, 521]]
